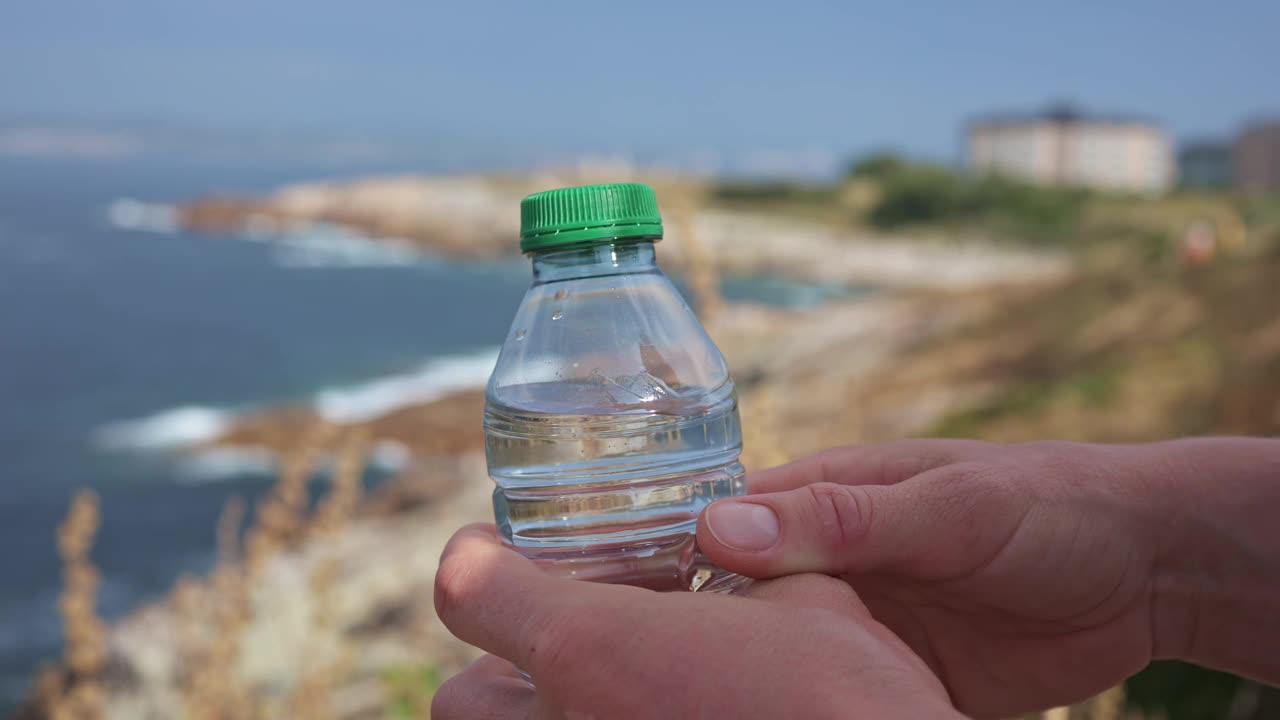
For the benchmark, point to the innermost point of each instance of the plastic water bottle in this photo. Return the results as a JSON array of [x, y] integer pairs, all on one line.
[[610, 419]]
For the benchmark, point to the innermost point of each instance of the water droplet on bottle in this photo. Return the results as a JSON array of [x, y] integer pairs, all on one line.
[[520, 335], [562, 294], [557, 315]]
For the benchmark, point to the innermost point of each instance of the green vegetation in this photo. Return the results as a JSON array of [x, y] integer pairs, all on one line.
[[1093, 388], [771, 192], [809, 201], [912, 194], [410, 690], [1135, 355], [1179, 691], [1143, 344], [891, 194], [1128, 354]]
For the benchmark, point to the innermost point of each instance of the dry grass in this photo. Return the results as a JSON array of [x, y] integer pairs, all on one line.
[[1108, 705], [281, 518], [312, 696], [211, 639], [212, 614], [74, 691], [703, 273], [230, 522]]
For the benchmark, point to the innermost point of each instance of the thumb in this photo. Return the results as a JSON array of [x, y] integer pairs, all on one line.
[[831, 528]]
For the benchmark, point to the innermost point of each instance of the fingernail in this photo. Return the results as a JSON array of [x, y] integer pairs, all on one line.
[[743, 525]]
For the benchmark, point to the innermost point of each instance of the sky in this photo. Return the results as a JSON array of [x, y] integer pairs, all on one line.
[[794, 81]]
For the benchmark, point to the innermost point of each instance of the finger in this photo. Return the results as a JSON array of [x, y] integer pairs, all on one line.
[[490, 596], [884, 464], [490, 689], [812, 590], [498, 668], [940, 524]]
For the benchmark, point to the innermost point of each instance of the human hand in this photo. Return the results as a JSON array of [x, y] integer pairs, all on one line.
[[801, 646], [1030, 576]]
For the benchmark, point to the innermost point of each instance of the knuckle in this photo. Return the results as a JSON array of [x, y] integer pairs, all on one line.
[[974, 478], [973, 487], [456, 587], [907, 458], [1056, 461], [1049, 453], [1039, 470], [984, 497], [1048, 447], [829, 464], [841, 513]]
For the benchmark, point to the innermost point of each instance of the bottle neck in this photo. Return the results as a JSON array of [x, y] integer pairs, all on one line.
[[618, 257]]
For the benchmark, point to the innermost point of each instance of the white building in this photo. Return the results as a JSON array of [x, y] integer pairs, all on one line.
[[1064, 148]]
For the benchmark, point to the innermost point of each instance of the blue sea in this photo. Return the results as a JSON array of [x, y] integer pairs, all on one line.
[[122, 337]]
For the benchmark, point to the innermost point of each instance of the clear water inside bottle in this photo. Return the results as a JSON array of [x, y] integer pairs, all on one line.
[[613, 497], [610, 423]]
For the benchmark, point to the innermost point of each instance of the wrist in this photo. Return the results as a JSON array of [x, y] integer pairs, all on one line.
[[1210, 515]]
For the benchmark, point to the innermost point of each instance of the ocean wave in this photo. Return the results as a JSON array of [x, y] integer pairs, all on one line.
[[324, 245], [131, 214], [171, 429], [431, 381], [226, 463], [211, 465], [180, 431]]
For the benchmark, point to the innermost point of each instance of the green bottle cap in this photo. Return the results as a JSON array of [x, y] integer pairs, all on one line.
[[588, 213]]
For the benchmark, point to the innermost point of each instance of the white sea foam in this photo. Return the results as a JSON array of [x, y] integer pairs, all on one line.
[[171, 429], [329, 246], [390, 456], [131, 214], [223, 463], [431, 381], [180, 430], [316, 245]]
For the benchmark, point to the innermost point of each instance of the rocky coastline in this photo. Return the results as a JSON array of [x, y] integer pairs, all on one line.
[[875, 368], [476, 217]]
